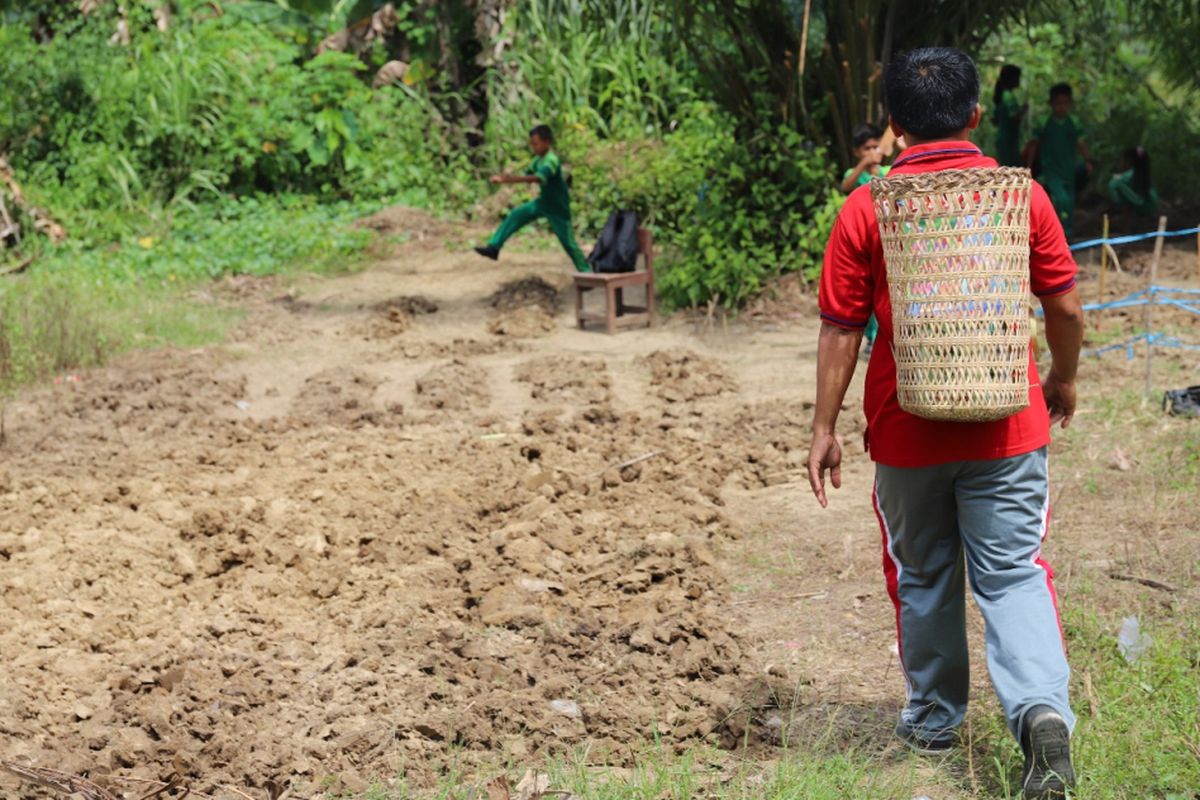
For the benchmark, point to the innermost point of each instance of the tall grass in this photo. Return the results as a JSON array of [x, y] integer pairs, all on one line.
[[609, 66]]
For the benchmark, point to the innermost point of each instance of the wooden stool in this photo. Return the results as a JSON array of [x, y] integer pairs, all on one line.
[[616, 313]]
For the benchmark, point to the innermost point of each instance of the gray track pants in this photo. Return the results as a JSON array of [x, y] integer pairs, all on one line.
[[996, 512]]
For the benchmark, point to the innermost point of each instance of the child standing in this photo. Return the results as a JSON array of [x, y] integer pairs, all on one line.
[[870, 158], [1058, 148], [553, 203], [1007, 112], [869, 152], [1130, 187]]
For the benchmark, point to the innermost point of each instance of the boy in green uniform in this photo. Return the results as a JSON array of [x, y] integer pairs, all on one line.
[[1059, 145], [869, 152], [553, 203]]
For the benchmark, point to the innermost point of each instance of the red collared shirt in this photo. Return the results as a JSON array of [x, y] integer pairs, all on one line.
[[854, 284]]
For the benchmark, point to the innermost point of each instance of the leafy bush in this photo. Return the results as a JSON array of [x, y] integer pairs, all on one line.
[[216, 106]]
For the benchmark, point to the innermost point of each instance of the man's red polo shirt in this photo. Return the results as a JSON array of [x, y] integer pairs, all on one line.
[[854, 283]]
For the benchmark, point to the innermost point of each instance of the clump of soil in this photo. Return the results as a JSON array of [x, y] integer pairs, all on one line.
[[411, 305], [169, 390], [680, 375], [454, 349], [787, 297], [526, 292], [566, 379], [528, 322], [393, 317], [340, 396], [452, 386]]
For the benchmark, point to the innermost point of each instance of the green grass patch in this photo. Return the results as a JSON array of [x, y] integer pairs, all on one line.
[[661, 773], [77, 304], [1138, 728]]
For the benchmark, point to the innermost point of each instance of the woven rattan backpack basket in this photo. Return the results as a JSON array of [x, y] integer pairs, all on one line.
[[956, 245]]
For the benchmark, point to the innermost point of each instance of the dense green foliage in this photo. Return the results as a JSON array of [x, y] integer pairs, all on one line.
[[226, 140], [1122, 97], [102, 134]]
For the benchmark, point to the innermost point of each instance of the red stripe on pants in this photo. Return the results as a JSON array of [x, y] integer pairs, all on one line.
[[891, 576]]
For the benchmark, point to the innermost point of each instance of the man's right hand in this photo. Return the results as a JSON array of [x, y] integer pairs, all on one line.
[[825, 453]]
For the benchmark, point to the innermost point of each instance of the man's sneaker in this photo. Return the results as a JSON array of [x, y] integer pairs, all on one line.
[[488, 251], [1046, 743], [926, 747]]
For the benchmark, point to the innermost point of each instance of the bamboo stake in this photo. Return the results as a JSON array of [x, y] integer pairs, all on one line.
[[804, 40], [1103, 261], [1198, 252], [1149, 316]]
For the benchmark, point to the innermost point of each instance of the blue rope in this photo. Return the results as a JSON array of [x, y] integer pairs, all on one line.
[[1151, 339], [1133, 237], [1158, 295]]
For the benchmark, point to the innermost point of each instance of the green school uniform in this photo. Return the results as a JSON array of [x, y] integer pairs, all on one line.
[[1058, 152], [1121, 190], [553, 204], [1007, 117], [865, 176]]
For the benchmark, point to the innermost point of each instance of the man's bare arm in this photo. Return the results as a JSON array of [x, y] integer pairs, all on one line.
[[1064, 336], [837, 356]]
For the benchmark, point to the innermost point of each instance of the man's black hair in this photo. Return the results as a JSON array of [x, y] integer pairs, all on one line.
[[932, 91], [864, 134], [1060, 89], [1010, 78], [543, 132]]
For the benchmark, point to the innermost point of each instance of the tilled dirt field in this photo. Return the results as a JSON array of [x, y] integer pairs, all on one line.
[[368, 534], [412, 518]]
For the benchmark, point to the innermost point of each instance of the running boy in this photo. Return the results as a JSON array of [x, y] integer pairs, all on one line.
[[948, 489], [553, 203], [1058, 147]]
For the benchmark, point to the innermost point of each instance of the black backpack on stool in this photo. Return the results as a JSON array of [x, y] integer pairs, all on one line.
[[617, 250]]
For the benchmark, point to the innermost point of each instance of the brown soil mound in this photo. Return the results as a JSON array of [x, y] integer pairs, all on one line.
[[456, 348], [340, 396], [680, 375], [290, 606], [346, 591], [410, 305], [528, 322], [452, 386], [393, 317], [566, 379], [530, 291]]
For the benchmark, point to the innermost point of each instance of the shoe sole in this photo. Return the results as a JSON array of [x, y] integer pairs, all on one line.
[[922, 747], [1051, 774]]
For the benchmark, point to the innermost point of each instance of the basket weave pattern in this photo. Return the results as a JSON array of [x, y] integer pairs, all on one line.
[[956, 245]]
